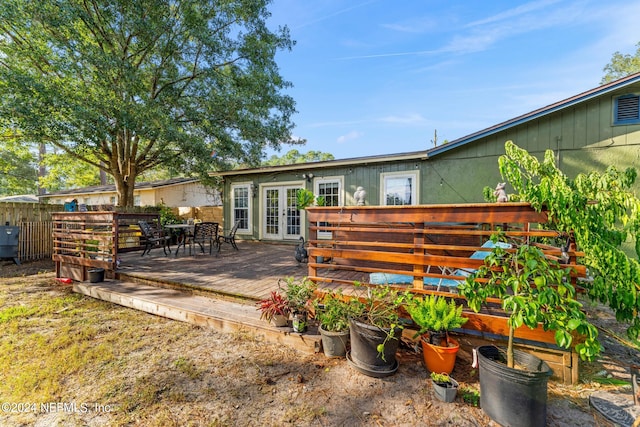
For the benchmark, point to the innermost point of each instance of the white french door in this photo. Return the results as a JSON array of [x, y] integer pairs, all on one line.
[[281, 217]]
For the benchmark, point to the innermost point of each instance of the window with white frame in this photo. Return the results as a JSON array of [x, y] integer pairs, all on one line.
[[399, 188], [329, 188], [241, 206]]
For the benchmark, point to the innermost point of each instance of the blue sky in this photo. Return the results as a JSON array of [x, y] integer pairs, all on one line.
[[380, 76]]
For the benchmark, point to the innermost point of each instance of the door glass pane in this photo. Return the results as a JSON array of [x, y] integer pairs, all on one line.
[[293, 214], [272, 210], [241, 207]]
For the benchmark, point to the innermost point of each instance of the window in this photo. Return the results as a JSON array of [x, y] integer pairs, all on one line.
[[331, 189], [241, 205], [136, 200], [626, 110], [399, 188]]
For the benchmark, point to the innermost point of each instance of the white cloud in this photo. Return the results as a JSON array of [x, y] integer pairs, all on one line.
[[349, 137]]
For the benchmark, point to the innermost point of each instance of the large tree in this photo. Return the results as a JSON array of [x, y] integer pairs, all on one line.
[[18, 173], [128, 85], [621, 65]]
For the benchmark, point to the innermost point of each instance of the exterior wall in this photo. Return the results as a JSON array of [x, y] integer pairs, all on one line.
[[352, 177], [191, 194], [179, 195], [584, 139]]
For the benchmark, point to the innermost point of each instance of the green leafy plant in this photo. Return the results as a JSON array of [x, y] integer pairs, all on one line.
[[470, 395], [333, 311], [535, 290], [298, 293], [304, 198], [276, 304], [602, 213], [435, 314], [380, 307], [442, 379]]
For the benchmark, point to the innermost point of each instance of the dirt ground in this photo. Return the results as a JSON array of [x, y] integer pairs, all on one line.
[[179, 374]]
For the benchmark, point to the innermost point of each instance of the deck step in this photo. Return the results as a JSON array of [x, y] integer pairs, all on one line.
[[222, 315]]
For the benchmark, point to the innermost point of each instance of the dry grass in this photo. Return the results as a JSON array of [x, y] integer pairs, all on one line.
[[60, 347]]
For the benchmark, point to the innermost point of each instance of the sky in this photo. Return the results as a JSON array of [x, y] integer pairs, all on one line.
[[384, 76]]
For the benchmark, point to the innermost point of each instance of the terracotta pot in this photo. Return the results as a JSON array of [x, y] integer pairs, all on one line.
[[440, 359]]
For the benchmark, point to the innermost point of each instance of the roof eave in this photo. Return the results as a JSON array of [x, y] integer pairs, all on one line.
[[541, 112], [415, 155]]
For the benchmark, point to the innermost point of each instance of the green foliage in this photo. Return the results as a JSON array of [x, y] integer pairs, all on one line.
[[167, 216], [304, 198], [380, 307], [601, 212], [441, 379], [191, 85], [298, 292], [622, 65], [18, 167], [294, 156], [534, 290], [435, 314], [470, 396], [333, 311]]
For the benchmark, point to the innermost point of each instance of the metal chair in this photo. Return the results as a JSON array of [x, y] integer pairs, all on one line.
[[154, 237], [229, 238], [205, 232]]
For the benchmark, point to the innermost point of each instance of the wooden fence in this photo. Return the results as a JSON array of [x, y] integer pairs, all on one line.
[[430, 249], [86, 240], [34, 219]]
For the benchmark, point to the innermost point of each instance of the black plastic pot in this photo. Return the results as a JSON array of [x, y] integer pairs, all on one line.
[[513, 397], [96, 275], [364, 354]]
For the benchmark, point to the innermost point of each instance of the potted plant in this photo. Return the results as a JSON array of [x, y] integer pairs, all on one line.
[[444, 387], [298, 294], [333, 312], [375, 331], [535, 291], [436, 317], [275, 309]]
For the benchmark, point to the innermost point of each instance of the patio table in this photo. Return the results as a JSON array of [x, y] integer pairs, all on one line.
[[185, 231]]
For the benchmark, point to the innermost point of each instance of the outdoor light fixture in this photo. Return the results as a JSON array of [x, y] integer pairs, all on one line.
[[307, 176], [254, 189]]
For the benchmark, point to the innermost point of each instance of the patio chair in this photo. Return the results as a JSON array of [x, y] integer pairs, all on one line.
[[452, 284], [205, 232], [229, 238], [154, 237]]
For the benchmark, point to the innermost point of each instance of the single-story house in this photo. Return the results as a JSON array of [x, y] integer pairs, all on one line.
[[589, 131], [175, 192]]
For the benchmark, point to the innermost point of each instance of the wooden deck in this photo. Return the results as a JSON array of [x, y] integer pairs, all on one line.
[[250, 273]]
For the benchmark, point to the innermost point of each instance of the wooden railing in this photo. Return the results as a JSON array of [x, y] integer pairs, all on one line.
[[425, 249], [85, 240]]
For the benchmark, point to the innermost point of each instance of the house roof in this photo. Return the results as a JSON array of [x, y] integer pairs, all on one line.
[[112, 188], [426, 154], [414, 155], [561, 105], [23, 198]]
